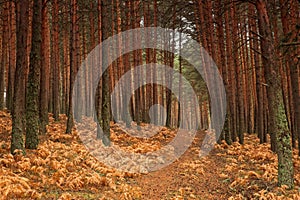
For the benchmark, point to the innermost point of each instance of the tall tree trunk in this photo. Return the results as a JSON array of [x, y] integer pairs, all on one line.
[[284, 8], [3, 59], [99, 88], [77, 61], [231, 81], [139, 54], [127, 67], [259, 74], [238, 75], [120, 63], [18, 114], [106, 28], [154, 59], [92, 45], [73, 17], [137, 96], [294, 64], [223, 67], [280, 137], [12, 57], [147, 23], [245, 77], [180, 81], [55, 62], [66, 50], [169, 77], [4, 54], [45, 67], [33, 85]]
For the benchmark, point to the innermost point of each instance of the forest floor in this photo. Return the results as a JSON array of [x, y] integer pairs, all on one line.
[[62, 168]]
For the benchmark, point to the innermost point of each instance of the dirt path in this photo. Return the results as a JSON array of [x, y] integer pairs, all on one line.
[[177, 181]]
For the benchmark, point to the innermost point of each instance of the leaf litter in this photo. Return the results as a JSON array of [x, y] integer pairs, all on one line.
[[62, 168]]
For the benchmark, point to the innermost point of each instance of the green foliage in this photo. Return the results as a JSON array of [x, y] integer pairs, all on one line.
[[193, 77]]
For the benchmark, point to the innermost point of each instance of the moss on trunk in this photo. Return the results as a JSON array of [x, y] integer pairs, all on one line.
[[33, 85]]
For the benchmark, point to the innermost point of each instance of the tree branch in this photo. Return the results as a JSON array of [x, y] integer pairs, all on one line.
[[290, 44]]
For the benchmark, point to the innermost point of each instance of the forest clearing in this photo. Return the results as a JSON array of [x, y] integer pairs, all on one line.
[[150, 99]]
